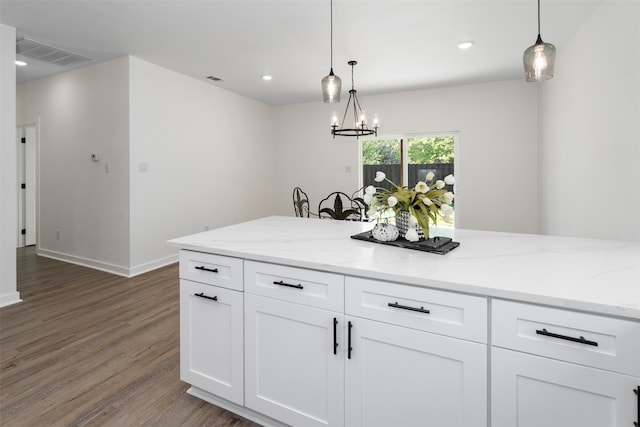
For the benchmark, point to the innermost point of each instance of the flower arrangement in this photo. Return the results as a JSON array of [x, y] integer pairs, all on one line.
[[425, 202]]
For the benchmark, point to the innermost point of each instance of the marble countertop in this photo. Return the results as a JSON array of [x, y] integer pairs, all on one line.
[[600, 276]]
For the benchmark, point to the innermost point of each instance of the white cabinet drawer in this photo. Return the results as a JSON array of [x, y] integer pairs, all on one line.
[[586, 339], [308, 287], [446, 313], [211, 269]]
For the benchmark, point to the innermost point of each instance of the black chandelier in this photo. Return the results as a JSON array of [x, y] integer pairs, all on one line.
[[360, 127]]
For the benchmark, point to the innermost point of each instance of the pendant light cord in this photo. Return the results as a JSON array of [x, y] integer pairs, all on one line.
[[331, 9], [538, 19]]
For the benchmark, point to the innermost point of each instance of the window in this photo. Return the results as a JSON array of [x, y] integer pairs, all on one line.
[[407, 159]]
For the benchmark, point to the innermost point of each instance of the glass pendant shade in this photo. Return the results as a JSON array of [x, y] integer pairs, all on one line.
[[539, 61], [331, 87]]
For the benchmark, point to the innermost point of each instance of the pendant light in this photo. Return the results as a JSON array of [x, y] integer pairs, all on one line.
[[331, 84], [539, 59], [360, 127]]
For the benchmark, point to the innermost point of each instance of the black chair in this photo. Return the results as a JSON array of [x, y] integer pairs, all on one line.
[[340, 206], [300, 203]]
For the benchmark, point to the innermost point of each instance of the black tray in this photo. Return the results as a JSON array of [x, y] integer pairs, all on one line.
[[436, 245]]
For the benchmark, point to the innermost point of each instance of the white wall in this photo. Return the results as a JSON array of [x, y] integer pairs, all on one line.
[[590, 130], [497, 183], [81, 112], [8, 178], [210, 155]]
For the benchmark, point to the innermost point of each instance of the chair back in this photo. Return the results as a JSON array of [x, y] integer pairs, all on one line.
[[340, 206], [300, 203]]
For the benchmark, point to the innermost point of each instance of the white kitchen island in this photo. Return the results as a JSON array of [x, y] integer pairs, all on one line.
[[289, 321]]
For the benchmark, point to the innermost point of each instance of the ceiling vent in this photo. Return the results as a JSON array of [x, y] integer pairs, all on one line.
[[42, 52], [214, 78]]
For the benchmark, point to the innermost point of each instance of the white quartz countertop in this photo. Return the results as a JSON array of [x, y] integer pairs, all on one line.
[[600, 276]]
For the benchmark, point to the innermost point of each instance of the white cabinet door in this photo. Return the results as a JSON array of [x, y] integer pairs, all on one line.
[[396, 376], [533, 391], [211, 330], [292, 373]]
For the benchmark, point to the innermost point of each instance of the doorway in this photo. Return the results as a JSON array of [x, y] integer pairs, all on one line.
[[27, 185]]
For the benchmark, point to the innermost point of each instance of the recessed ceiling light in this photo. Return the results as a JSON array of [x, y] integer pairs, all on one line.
[[267, 77], [21, 63], [465, 45]]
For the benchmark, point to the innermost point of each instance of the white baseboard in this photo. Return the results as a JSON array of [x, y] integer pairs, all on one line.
[[10, 299], [106, 267], [153, 265], [85, 262]]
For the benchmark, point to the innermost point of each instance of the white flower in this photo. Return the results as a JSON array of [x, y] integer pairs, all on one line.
[[368, 198], [447, 219], [449, 180], [370, 190], [392, 201], [412, 235], [380, 176], [429, 176], [427, 201], [413, 221], [439, 184], [446, 210], [448, 197], [421, 187]]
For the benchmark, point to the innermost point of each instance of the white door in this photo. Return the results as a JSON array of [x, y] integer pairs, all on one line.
[[396, 376], [27, 185], [211, 339], [292, 373], [533, 391]]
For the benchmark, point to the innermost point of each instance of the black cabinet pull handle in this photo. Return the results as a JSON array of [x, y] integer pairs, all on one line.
[[335, 337], [406, 307], [202, 295], [580, 340], [349, 348], [203, 268], [637, 392], [281, 283]]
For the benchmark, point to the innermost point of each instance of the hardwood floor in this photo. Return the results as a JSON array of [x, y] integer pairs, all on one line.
[[87, 348]]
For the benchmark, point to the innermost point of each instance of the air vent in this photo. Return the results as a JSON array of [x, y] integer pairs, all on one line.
[[214, 78], [42, 52]]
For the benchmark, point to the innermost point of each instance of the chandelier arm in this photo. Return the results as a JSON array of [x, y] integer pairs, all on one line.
[[355, 109], [357, 102], [346, 110]]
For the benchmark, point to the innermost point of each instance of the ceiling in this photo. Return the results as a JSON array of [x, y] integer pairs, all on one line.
[[399, 45]]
